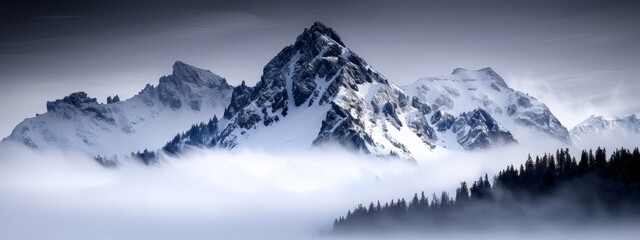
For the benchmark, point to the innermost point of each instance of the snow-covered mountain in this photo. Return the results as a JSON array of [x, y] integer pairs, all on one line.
[[317, 91], [147, 120], [599, 129], [465, 90], [312, 93]]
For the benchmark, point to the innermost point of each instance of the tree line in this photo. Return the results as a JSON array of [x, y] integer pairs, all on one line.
[[199, 135], [551, 188]]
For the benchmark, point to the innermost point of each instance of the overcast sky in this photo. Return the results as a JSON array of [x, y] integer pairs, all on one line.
[[579, 57]]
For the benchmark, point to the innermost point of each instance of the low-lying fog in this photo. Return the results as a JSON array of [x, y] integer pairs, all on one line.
[[239, 194]]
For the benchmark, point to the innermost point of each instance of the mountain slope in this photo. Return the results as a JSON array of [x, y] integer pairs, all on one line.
[[465, 90], [147, 120]]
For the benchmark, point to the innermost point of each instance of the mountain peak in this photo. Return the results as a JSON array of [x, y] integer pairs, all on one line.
[[316, 72], [486, 70], [318, 31], [318, 53], [630, 116], [76, 99], [180, 65], [486, 73], [182, 69], [595, 117], [457, 71], [320, 27], [183, 72]]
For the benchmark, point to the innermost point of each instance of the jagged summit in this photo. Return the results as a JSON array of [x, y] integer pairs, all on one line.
[[187, 86], [317, 78], [484, 74], [294, 74], [183, 72], [317, 31], [76, 99]]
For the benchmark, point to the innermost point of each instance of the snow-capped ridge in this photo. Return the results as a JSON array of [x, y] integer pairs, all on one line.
[[147, 120], [599, 126], [465, 90], [599, 119]]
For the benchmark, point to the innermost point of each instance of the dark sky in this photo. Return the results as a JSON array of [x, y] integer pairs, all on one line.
[[581, 57]]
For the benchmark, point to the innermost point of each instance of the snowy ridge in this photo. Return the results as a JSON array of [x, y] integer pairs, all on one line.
[[598, 127], [465, 90], [147, 120]]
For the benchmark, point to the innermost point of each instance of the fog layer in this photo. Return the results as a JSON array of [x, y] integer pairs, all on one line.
[[209, 194]]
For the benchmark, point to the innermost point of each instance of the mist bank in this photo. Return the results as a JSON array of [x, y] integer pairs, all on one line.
[[201, 194], [204, 194]]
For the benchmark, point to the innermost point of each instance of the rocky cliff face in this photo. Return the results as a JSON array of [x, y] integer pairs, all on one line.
[[478, 130]]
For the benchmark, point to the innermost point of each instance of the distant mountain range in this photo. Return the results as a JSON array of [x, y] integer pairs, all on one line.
[[312, 93], [597, 129]]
